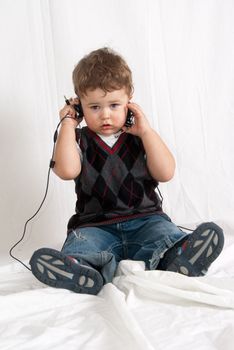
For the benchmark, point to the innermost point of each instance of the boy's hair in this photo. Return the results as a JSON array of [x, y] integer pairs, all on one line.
[[103, 69]]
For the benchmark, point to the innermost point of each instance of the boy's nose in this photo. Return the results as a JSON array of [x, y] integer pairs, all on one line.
[[105, 114]]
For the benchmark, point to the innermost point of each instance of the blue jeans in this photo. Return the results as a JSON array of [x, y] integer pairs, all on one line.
[[103, 247]]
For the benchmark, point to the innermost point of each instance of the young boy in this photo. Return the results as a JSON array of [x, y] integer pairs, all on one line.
[[116, 169]]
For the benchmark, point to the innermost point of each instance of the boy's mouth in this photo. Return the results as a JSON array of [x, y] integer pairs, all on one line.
[[106, 126]]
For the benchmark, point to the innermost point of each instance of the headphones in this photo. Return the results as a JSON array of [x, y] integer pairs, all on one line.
[[78, 108], [80, 114]]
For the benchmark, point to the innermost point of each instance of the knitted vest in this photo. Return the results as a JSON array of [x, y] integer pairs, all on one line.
[[114, 184]]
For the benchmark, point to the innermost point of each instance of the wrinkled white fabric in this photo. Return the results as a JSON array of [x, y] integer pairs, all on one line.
[[139, 310]]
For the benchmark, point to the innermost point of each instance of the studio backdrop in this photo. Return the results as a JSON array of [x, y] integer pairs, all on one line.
[[181, 53]]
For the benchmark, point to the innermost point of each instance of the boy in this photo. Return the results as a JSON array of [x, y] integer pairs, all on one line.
[[116, 169]]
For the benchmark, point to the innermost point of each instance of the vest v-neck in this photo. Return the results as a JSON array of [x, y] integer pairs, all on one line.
[[105, 146]]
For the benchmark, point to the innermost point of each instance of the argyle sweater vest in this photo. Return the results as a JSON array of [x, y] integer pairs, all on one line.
[[114, 184]]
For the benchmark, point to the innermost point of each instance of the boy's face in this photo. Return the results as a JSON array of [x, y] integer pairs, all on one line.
[[105, 113]]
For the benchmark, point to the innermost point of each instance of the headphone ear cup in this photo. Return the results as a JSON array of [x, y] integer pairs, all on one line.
[[79, 110], [129, 119]]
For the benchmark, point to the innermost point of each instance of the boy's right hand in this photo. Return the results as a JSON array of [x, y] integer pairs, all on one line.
[[69, 110]]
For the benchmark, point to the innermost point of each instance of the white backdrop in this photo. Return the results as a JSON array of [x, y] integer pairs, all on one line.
[[181, 53]]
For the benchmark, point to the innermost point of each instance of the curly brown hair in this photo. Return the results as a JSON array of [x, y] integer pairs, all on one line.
[[103, 69]]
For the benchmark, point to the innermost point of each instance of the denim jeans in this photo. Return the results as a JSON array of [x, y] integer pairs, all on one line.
[[103, 247]]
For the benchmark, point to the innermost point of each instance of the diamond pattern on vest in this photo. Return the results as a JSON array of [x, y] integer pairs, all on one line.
[[149, 189], [102, 192], [129, 153], [131, 192], [114, 182], [96, 156]]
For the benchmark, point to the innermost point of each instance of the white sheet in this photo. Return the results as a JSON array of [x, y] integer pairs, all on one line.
[[139, 310]]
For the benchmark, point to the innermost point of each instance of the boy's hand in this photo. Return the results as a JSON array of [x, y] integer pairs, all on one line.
[[141, 124], [69, 110]]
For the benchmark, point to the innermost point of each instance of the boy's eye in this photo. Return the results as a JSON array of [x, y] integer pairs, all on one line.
[[95, 108], [114, 105]]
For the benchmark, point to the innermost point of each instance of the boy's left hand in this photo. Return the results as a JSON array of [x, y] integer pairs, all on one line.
[[141, 124]]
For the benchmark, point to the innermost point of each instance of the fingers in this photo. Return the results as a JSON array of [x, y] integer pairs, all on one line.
[[141, 122], [74, 101], [68, 109]]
